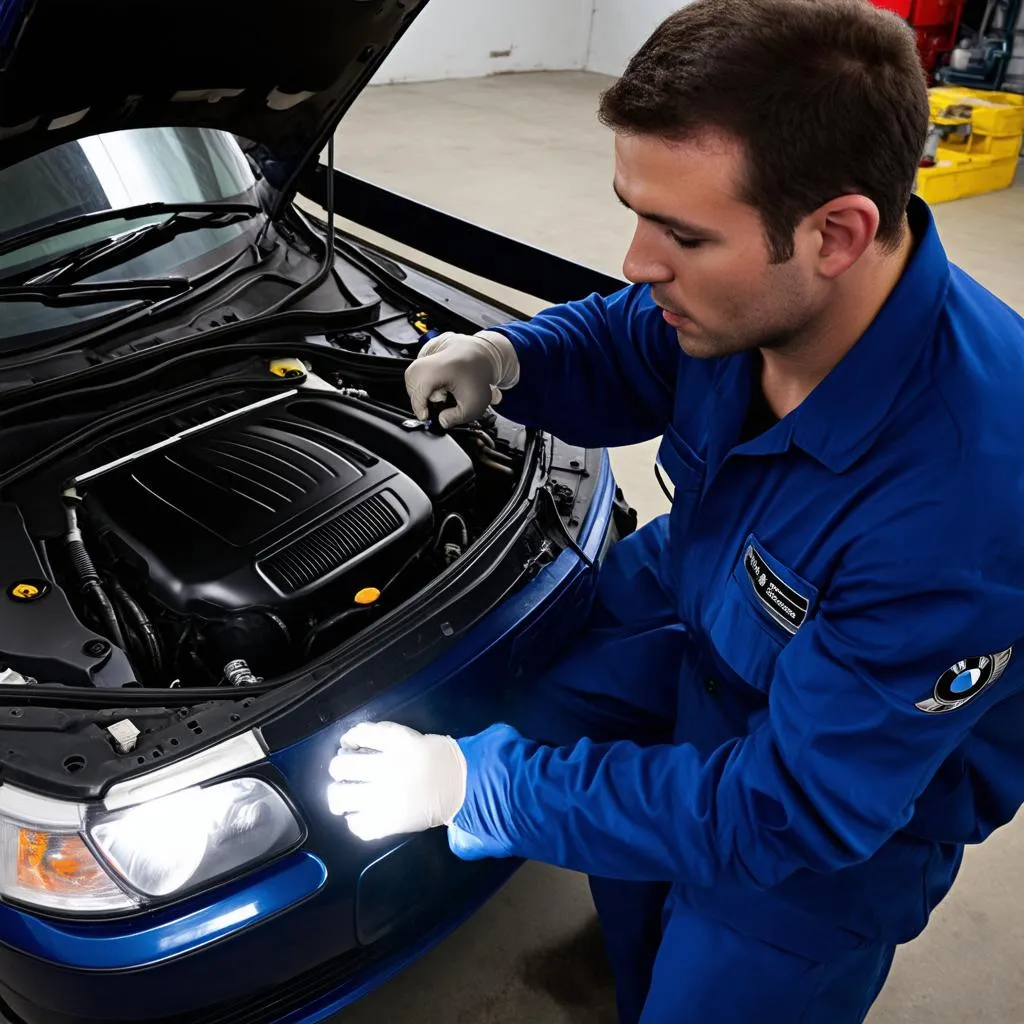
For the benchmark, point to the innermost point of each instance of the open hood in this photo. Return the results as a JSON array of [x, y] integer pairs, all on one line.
[[278, 74]]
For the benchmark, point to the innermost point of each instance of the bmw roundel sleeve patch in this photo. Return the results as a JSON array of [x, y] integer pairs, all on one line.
[[964, 681]]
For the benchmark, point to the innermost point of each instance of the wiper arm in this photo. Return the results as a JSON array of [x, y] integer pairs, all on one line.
[[50, 283], [213, 210], [113, 252], [50, 294]]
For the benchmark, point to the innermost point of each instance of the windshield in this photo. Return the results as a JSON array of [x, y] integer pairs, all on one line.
[[116, 171]]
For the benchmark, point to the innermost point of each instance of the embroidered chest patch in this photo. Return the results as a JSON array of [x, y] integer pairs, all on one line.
[[782, 603]]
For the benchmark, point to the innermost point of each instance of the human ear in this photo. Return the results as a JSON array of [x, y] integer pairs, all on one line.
[[846, 228]]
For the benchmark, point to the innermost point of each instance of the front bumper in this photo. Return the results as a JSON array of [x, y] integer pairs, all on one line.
[[290, 967], [305, 936]]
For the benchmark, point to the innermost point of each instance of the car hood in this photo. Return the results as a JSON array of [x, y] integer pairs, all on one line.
[[280, 75]]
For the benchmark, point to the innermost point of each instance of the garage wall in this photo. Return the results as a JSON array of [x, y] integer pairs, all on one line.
[[620, 28], [473, 38]]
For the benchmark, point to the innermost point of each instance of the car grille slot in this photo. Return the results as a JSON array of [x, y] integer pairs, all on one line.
[[332, 544], [272, 1006]]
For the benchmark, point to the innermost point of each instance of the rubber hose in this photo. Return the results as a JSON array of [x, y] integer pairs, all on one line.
[[82, 563], [90, 579], [322, 627], [507, 470], [147, 633], [92, 589]]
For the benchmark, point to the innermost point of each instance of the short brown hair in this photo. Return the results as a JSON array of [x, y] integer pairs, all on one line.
[[828, 97]]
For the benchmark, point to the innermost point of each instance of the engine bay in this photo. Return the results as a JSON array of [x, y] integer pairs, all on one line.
[[236, 539]]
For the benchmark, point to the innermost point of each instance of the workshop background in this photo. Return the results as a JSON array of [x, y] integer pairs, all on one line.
[[487, 109]]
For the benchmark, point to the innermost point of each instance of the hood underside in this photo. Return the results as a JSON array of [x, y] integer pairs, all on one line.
[[279, 74]]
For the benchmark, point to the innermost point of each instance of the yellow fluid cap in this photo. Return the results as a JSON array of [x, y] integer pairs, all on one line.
[[368, 595], [25, 591], [287, 368]]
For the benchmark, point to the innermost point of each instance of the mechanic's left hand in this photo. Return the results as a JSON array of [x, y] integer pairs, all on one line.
[[405, 782]]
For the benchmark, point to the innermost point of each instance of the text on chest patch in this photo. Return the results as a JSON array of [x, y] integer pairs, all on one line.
[[788, 608]]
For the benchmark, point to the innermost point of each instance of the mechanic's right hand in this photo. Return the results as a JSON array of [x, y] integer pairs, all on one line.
[[471, 368]]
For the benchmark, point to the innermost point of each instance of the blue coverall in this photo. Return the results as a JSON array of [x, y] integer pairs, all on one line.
[[797, 697]]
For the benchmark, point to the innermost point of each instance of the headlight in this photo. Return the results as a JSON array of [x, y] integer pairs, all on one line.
[[152, 837], [195, 836]]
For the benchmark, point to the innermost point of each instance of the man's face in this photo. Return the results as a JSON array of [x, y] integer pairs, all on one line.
[[703, 250]]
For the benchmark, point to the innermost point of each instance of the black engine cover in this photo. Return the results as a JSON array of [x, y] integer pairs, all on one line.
[[267, 511]]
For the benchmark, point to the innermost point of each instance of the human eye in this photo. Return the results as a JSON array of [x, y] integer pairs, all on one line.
[[684, 242]]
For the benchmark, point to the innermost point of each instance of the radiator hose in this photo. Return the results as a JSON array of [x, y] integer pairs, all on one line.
[[85, 570]]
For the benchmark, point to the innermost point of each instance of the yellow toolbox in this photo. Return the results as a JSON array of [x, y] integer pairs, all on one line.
[[975, 142]]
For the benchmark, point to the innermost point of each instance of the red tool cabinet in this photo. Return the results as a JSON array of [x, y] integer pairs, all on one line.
[[935, 23]]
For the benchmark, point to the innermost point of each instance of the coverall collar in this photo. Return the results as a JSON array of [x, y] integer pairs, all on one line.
[[840, 419]]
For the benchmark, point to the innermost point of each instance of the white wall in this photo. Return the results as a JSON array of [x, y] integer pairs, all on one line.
[[620, 28], [473, 38]]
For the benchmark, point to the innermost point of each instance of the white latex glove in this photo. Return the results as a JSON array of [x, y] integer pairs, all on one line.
[[471, 368], [408, 783]]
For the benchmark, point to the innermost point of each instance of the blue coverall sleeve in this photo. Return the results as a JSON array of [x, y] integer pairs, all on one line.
[[598, 372], [832, 771]]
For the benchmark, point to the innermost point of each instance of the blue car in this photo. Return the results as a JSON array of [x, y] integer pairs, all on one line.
[[225, 537]]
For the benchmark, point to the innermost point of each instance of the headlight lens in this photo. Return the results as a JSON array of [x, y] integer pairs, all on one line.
[[153, 836], [196, 835]]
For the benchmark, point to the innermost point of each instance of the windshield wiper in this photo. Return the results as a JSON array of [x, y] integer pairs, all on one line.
[[50, 294], [35, 285], [62, 227], [50, 284]]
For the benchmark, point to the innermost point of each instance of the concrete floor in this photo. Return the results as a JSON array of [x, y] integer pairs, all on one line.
[[525, 155]]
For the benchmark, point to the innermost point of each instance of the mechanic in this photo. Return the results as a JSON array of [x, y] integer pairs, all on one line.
[[796, 699]]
